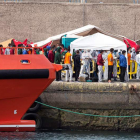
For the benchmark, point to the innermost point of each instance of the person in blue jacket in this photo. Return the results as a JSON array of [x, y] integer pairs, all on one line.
[[123, 65], [24, 52]]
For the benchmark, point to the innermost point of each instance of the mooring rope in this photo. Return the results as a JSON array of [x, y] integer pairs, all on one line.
[[91, 115]]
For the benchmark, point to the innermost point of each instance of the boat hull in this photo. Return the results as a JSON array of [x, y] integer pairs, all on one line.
[[20, 85]]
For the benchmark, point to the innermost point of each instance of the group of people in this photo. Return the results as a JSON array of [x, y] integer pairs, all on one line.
[[22, 49], [110, 61], [60, 55], [82, 60]]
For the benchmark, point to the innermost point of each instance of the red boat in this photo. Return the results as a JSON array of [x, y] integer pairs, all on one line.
[[20, 85]]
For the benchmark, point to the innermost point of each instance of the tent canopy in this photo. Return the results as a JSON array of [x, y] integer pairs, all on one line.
[[98, 41], [73, 36], [56, 39], [83, 31]]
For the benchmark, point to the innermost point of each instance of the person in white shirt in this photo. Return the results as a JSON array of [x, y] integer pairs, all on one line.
[[105, 56], [115, 65], [133, 58], [86, 63], [138, 65]]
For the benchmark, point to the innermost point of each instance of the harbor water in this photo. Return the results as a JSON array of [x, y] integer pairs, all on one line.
[[70, 135]]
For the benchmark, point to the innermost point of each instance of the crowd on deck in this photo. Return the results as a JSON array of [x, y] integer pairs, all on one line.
[[22, 49]]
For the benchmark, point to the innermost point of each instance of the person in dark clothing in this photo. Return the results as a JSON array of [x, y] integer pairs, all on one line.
[[123, 65], [1, 50], [77, 64], [62, 48], [46, 52], [20, 50], [57, 60]]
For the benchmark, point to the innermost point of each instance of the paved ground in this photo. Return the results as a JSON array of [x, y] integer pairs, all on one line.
[[118, 80]]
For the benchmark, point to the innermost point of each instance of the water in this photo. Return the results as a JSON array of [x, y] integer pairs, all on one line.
[[70, 135]]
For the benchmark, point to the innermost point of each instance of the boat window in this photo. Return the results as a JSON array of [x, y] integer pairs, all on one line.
[[25, 61]]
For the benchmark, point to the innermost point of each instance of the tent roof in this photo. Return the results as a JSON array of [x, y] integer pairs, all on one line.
[[57, 38], [5, 43], [83, 31], [97, 41], [73, 36]]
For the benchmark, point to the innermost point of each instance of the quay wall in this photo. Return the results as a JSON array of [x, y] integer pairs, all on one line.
[[115, 99], [39, 20]]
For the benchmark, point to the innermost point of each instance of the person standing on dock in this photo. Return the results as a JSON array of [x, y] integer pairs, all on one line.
[[115, 65], [67, 61], [129, 57], [57, 60], [105, 55], [123, 65], [77, 65], [138, 65], [133, 58], [100, 63], [85, 68], [110, 65]]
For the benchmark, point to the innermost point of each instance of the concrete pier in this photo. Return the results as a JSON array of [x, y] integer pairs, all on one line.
[[116, 99]]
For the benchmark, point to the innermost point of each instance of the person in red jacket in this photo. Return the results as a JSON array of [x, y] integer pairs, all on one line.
[[100, 63], [51, 55], [2, 50]]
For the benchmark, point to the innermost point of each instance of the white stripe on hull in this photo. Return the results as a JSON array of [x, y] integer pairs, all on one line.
[[17, 126]]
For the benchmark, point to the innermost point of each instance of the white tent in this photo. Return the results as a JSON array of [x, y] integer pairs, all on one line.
[[98, 41], [83, 31]]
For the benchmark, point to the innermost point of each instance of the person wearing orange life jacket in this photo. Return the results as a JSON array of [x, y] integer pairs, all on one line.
[[129, 57], [110, 65], [67, 61]]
